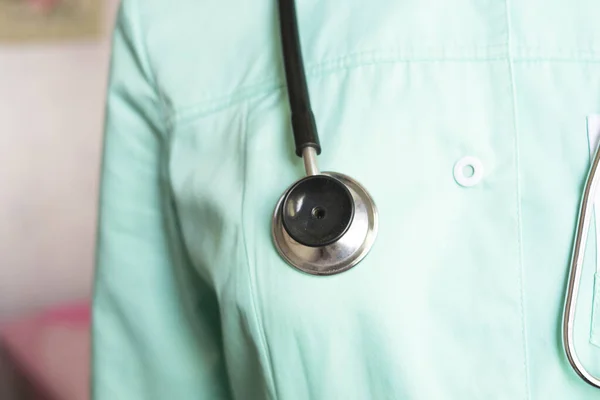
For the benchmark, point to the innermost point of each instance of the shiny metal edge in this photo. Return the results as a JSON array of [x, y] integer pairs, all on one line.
[[285, 244], [576, 267]]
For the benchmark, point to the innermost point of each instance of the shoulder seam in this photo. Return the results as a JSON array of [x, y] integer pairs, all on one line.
[[131, 14]]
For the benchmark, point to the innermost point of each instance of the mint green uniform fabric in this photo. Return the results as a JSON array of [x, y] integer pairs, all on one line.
[[461, 296]]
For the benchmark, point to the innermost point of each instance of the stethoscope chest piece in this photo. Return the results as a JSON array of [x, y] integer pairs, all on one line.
[[324, 224]]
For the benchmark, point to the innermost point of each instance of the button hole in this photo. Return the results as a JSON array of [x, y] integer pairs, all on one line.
[[468, 171]]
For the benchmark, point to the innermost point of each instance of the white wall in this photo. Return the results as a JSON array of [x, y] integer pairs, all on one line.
[[51, 116]]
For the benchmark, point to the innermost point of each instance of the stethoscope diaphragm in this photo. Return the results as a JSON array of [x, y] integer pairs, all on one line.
[[319, 255]]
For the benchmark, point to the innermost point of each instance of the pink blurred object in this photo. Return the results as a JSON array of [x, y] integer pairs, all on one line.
[[52, 350], [43, 5]]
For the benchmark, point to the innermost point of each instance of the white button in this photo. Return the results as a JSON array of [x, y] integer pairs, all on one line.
[[468, 171]]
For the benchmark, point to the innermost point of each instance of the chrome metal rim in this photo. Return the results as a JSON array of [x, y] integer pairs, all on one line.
[[342, 255]]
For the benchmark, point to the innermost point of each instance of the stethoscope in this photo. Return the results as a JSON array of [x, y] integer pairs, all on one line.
[[326, 222], [583, 227]]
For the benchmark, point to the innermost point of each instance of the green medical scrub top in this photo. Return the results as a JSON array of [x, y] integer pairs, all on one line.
[[467, 122]]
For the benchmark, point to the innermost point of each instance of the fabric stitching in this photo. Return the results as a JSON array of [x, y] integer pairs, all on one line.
[[250, 270], [143, 53], [518, 195], [208, 107], [345, 62], [212, 104], [594, 334]]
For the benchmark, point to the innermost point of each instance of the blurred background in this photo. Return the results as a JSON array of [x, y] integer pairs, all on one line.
[[54, 57]]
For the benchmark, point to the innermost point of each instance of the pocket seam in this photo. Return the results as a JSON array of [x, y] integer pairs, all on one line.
[[595, 325]]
